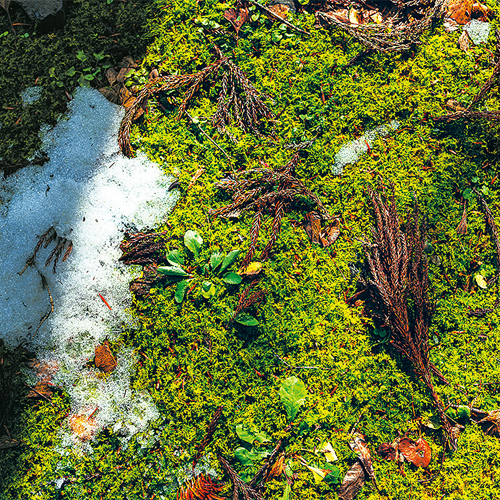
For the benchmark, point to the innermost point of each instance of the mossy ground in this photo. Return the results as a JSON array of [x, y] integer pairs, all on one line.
[[192, 358]]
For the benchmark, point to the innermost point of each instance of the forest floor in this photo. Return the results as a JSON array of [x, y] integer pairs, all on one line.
[[308, 360]]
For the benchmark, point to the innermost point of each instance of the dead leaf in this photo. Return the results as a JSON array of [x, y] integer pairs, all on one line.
[[111, 94], [330, 233], [355, 17], [84, 427], [111, 75], [358, 445], [237, 17], [454, 105], [481, 282], [104, 359], [460, 10], [122, 74], [491, 423], [44, 371], [418, 453], [464, 41], [340, 15], [127, 62], [312, 226], [387, 451], [353, 481], [252, 270], [280, 10]]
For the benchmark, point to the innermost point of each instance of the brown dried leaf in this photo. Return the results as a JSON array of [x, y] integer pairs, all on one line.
[[279, 9], [462, 226], [111, 75], [110, 94], [40, 390], [127, 62], [352, 483], [464, 41], [387, 451], [122, 74], [460, 10], [44, 370], [340, 15], [312, 226], [355, 17], [330, 233], [418, 453], [491, 423], [237, 17], [358, 445], [104, 359]]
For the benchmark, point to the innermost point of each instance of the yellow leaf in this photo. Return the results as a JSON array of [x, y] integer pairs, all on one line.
[[481, 282]]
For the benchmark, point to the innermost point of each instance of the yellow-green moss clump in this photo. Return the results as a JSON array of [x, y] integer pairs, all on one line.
[[193, 358]]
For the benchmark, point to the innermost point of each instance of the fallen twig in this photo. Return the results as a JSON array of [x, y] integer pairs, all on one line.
[[45, 285], [279, 18]]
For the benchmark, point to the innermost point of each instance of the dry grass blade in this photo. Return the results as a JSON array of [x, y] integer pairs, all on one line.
[[462, 226], [398, 287]]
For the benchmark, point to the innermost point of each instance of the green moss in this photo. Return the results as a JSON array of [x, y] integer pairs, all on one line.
[[193, 359]]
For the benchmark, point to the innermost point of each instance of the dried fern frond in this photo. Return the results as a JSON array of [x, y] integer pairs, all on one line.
[[239, 101], [398, 286], [266, 190]]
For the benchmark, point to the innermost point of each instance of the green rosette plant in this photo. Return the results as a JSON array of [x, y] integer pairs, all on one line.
[[188, 273]]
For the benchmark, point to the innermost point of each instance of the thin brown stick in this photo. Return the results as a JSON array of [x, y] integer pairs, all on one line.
[[45, 285], [279, 18]]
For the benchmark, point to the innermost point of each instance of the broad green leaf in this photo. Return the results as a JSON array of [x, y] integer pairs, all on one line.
[[175, 258], [293, 395], [229, 260], [207, 289], [71, 71], [249, 457], [89, 77], [180, 290], [250, 434], [215, 260], [81, 55], [232, 278], [193, 241], [246, 320], [172, 271]]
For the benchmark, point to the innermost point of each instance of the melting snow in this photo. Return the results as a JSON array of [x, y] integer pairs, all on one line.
[[90, 193]]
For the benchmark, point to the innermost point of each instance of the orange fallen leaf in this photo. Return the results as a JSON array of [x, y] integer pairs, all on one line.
[[104, 359], [237, 17], [418, 453]]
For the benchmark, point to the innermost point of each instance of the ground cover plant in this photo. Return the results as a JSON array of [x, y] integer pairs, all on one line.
[[264, 411]]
